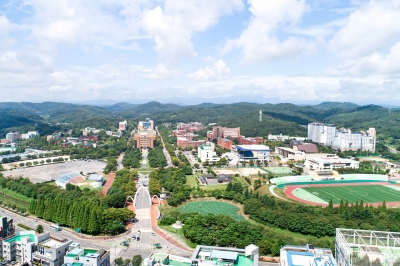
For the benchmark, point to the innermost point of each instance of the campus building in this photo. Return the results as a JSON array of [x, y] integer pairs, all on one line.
[[145, 138], [306, 255], [290, 153], [148, 124], [12, 136], [189, 142], [250, 141], [77, 256], [342, 139], [252, 152], [190, 127], [223, 132], [225, 143], [122, 125], [30, 135], [206, 152], [329, 162], [50, 251], [281, 137]]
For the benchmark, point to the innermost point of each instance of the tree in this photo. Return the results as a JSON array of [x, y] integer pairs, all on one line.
[[39, 229], [127, 262], [22, 164], [137, 260], [119, 261]]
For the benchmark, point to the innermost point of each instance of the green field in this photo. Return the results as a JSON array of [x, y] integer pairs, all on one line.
[[214, 207], [366, 193]]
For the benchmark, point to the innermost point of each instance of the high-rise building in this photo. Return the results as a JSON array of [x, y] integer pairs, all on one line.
[[342, 139], [145, 137]]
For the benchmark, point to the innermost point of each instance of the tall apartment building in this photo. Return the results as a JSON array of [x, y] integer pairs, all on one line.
[[223, 132], [321, 133], [342, 139], [145, 137]]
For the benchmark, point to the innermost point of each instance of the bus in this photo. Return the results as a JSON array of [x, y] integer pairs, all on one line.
[[55, 227]]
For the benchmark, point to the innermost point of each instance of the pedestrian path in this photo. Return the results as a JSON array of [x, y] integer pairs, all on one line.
[[108, 183]]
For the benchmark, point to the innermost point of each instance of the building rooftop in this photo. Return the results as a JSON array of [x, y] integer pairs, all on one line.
[[306, 255], [307, 148], [19, 237], [252, 147]]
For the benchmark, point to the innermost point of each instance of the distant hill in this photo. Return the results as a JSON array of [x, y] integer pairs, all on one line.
[[337, 105], [148, 108], [285, 118]]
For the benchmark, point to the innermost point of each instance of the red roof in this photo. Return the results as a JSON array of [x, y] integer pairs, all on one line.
[[308, 148]]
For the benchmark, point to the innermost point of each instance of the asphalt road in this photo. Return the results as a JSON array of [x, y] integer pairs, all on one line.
[[144, 158], [119, 161]]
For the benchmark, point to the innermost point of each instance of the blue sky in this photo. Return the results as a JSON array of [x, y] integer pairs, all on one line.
[[200, 51]]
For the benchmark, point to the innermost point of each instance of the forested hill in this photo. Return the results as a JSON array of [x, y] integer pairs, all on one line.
[[282, 118]]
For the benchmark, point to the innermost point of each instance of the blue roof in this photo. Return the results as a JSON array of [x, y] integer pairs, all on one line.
[[96, 177]]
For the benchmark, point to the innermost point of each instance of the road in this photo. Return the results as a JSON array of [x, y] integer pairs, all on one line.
[[166, 154], [144, 158], [119, 161]]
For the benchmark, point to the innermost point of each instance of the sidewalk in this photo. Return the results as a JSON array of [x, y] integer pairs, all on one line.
[[108, 183], [154, 213]]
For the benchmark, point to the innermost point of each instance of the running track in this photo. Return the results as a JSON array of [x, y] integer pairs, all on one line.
[[108, 183], [289, 193]]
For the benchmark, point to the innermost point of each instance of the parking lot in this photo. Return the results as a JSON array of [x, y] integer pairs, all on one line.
[[48, 172]]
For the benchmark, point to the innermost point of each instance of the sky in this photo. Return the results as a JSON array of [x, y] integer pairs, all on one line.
[[196, 51]]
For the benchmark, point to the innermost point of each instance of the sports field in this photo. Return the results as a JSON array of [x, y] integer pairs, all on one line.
[[366, 193]]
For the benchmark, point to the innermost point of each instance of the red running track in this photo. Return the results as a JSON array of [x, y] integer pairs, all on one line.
[[289, 193], [108, 183]]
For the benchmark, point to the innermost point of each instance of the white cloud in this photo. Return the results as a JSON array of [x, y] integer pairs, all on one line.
[[374, 64], [172, 27], [374, 27], [258, 41], [217, 71]]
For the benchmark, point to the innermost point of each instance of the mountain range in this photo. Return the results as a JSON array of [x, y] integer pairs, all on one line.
[[285, 118]]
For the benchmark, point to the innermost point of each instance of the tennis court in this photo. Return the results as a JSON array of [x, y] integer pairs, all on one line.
[[366, 193], [279, 170]]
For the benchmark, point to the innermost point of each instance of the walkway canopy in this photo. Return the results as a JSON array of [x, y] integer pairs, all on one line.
[[225, 255]]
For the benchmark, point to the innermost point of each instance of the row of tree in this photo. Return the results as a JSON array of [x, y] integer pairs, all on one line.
[[156, 157]]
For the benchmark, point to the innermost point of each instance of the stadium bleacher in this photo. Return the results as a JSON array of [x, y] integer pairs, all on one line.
[[72, 178]]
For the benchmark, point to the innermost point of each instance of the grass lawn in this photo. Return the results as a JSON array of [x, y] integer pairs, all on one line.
[[214, 207], [214, 187], [366, 193], [178, 234], [15, 194], [240, 180], [191, 181]]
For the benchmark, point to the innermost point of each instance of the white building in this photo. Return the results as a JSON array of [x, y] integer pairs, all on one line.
[[87, 257], [329, 162], [12, 136], [281, 137], [206, 152], [30, 135], [290, 154], [306, 255], [321, 133], [342, 139]]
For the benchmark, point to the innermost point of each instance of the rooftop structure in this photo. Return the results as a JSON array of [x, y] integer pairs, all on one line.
[[352, 245], [145, 138], [72, 178], [253, 152], [148, 124], [307, 148], [210, 255], [306, 255], [188, 142], [88, 257], [97, 180]]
